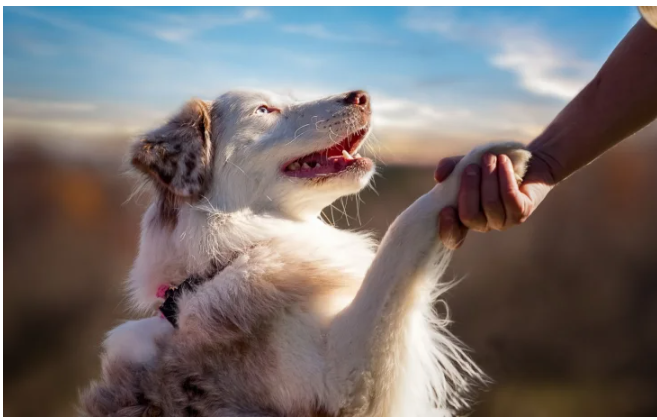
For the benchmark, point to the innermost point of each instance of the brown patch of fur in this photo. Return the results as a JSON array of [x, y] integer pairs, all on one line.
[[168, 205], [178, 158]]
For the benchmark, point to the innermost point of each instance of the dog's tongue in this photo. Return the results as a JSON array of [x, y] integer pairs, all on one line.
[[329, 161]]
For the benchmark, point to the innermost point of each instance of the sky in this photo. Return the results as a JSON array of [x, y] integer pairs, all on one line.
[[440, 78]]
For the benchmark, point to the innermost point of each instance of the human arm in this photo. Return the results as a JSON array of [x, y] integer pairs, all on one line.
[[619, 101]]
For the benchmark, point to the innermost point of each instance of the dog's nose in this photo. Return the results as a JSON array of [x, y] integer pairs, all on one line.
[[357, 97]]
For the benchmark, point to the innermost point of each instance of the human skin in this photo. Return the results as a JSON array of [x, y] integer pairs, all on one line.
[[619, 101]]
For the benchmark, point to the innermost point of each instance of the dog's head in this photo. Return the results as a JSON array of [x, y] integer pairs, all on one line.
[[259, 151]]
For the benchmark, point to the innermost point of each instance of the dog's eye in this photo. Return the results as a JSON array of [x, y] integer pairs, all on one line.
[[263, 109]]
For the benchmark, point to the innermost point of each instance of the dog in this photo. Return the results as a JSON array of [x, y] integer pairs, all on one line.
[[266, 310]]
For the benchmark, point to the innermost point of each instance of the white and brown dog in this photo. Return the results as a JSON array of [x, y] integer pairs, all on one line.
[[265, 309]]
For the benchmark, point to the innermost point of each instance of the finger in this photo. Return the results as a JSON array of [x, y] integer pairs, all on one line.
[[445, 167], [515, 202], [450, 230], [491, 202], [469, 200]]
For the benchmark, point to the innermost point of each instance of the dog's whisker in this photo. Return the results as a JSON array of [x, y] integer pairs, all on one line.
[[317, 127], [342, 213], [241, 170], [297, 131], [332, 215], [325, 218], [333, 134], [344, 208], [358, 208]]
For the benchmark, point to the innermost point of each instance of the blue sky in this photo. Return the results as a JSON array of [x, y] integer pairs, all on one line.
[[445, 77]]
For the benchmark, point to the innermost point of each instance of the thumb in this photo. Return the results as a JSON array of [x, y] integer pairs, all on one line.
[[450, 230]]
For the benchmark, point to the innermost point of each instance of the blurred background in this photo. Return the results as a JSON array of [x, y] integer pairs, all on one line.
[[560, 312]]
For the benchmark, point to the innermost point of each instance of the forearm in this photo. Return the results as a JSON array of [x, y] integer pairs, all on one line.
[[619, 101]]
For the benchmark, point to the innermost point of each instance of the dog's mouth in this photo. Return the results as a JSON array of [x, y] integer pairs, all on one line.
[[331, 161]]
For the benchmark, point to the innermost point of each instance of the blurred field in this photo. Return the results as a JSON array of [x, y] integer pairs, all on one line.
[[560, 312]]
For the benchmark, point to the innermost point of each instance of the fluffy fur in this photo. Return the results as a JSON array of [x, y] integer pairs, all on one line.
[[306, 319]]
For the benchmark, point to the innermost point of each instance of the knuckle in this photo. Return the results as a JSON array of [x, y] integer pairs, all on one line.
[[467, 215], [496, 223], [481, 229], [469, 222], [477, 223]]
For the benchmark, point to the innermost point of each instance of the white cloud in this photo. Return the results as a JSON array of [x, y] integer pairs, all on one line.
[[76, 122], [35, 108], [365, 35], [50, 18], [170, 27], [87, 38], [541, 66], [443, 22], [408, 114], [177, 28], [315, 30], [35, 46]]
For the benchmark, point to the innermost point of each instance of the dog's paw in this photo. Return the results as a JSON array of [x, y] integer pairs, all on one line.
[[519, 156], [515, 151], [135, 341]]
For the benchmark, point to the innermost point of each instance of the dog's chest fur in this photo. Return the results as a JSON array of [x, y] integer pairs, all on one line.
[[251, 340]]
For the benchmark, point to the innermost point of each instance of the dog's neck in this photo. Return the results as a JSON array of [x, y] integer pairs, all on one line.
[[299, 209], [201, 236], [233, 192]]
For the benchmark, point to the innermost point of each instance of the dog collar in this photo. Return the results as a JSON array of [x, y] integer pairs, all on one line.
[[169, 309]]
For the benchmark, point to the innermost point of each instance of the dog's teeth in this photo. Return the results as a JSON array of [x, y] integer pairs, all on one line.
[[357, 155], [316, 165], [294, 166], [305, 166], [347, 155]]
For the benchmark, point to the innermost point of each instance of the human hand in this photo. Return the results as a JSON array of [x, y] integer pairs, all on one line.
[[489, 196]]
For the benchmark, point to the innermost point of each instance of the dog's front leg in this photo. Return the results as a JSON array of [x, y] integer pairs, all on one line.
[[366, 341]]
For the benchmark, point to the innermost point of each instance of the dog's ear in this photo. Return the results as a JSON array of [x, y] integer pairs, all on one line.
[[178, 155]]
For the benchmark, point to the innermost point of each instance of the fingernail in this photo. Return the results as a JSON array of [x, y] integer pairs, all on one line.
[[490, 160], [472, 170], [503, 158]]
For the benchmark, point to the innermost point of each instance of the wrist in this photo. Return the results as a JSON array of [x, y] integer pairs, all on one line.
[[546, 162]]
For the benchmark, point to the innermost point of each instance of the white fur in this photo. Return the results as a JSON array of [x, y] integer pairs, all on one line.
[[370, 343], [134, 341]]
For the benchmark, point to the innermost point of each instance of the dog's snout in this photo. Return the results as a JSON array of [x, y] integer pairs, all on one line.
[[357, 97]]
